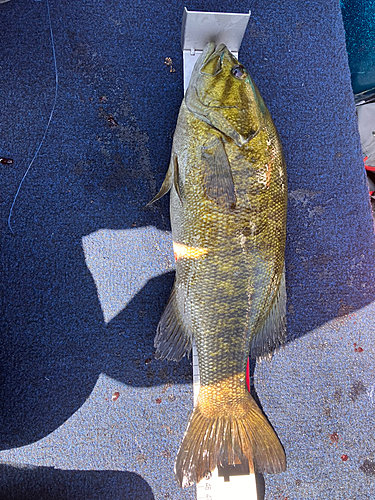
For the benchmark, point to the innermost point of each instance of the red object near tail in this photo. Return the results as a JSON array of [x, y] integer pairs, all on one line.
[[248, 375]]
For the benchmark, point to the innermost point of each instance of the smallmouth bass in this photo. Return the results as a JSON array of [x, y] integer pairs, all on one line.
[[228, 200]]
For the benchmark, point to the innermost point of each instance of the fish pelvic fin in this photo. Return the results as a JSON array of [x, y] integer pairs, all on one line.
[[226, 439], [172, 341], [165, 187], [171, 179], [272, 332]]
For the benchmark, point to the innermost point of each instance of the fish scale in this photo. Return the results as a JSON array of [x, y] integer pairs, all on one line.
[[228, 215]]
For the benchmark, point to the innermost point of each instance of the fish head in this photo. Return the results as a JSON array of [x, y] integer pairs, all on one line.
[[222, 94]]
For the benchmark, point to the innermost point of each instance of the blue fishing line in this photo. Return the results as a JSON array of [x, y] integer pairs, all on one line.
[[49, 119]]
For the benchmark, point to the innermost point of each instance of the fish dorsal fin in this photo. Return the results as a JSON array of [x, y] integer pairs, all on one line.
[[172, 341], [217, 175], [272, 333]]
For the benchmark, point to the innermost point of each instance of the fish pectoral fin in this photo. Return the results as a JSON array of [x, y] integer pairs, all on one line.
[[272, 333], [166, 186], [172, 341], [217, 175]]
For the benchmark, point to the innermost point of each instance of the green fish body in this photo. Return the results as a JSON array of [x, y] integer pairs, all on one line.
[[228, 214]]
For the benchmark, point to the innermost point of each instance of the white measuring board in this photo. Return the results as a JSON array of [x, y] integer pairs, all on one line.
[[199, 28]]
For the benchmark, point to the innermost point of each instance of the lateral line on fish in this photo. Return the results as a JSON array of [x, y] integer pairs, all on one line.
[[48, 123]]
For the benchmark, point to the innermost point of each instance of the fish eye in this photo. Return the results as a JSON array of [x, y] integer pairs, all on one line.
[[239, 72]]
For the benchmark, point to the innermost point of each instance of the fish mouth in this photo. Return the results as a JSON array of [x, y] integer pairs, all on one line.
[[206, 54], [212, 58], [211, 49], [211, 65], [210, 55]]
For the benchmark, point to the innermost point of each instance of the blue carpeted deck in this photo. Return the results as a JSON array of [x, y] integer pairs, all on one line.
[[86, 412]]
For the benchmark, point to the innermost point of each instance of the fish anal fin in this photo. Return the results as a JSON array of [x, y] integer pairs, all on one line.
[[172, 341], [217, 175], [272, 333]]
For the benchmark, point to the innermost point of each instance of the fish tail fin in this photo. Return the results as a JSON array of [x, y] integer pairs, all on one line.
[[227, 439]]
